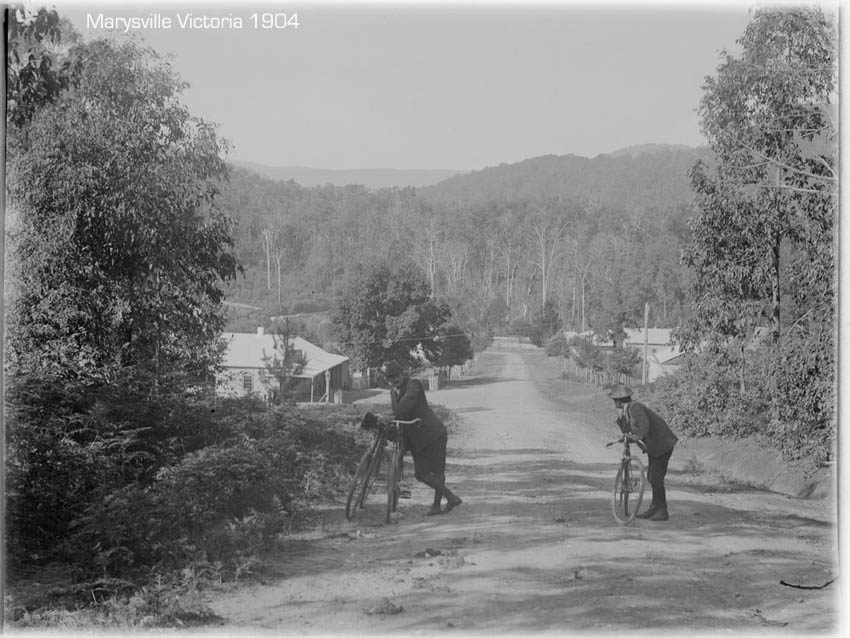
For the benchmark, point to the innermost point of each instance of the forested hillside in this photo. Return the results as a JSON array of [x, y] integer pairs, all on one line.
[[636, 178], [597, 239], [368, 177]]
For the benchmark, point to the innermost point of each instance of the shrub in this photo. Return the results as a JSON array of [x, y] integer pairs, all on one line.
[[704, 397], [803, 414]]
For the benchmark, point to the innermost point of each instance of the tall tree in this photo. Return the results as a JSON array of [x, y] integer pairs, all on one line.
[[547, 227], [769, 117], [120, 254], [386, 313]]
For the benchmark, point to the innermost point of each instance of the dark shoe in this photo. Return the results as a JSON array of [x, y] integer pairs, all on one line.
[[453, 503], [435, 509], [660, 515], [648, 513]]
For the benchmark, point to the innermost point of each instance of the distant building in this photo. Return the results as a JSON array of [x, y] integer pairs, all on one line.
[[246, 371], [659, 350]]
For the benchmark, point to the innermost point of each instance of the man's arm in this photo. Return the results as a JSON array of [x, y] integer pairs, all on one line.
[[405, 407]]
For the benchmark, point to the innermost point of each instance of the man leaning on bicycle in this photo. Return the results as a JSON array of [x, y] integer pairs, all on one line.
[[426, 441], [639, 423]]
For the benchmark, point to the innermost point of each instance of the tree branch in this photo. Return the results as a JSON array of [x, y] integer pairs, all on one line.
[[776, 162]]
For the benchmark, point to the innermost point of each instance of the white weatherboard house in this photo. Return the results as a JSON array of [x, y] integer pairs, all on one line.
[[246, 371]]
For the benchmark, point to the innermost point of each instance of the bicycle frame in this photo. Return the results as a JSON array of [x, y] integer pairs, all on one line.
[[369, 468]]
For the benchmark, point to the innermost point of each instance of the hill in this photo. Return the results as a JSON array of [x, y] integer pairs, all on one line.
[[636, 177], [372, 178]]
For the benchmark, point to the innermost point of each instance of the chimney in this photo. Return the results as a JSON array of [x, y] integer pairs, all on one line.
[[260, 330]]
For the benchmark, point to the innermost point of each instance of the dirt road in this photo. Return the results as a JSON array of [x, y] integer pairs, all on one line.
[[534, 547]]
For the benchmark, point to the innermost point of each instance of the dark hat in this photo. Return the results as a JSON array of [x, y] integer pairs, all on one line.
[[620, 391], [392, 370]]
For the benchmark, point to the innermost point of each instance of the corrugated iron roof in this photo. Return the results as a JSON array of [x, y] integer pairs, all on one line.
[[249, 350]]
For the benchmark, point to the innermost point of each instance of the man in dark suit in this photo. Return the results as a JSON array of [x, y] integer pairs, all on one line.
[[427, 440], [639, 423]]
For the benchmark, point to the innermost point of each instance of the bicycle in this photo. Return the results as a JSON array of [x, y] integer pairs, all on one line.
[[369, 467], [628, 484]]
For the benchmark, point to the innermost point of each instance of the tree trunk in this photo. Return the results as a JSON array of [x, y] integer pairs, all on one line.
[[776, 291]]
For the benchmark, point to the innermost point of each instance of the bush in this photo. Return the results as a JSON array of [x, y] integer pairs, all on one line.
[[803, 413], [113, 490], [704, 397], [623, 362]]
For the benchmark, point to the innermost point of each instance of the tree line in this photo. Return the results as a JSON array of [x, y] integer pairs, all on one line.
[[495, 264]]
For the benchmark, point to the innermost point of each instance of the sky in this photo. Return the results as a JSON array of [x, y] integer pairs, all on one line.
[[410, 85]]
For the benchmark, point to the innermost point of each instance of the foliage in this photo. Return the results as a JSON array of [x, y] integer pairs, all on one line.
[[768, 117], [762, 248], [804, 418], [35, 73], [386, 313], [221, 501], [624, 361], [586, 353], [545, 323], [285, 363], [455, 347], [492, 258], [557, 346], [119, 256], [703, 398]]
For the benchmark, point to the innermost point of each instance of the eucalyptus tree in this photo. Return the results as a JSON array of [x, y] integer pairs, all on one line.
[[765, 213], [120, 254], [548, 225], [769, 118]]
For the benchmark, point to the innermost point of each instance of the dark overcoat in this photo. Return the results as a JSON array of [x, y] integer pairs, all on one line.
[[408, 403], [650, 428]]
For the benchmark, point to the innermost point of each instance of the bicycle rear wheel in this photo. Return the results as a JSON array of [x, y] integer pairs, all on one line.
[[357, 484], [393, 478], [628, 490]]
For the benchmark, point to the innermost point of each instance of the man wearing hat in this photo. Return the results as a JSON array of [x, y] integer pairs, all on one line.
[[639, 423], [426, 440]]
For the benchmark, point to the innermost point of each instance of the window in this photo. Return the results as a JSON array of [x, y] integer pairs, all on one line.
[[248, 382]]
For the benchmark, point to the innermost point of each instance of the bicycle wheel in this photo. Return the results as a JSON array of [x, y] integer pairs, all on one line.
[[628, 490], [371, 473], [357, 484], [393, 476]]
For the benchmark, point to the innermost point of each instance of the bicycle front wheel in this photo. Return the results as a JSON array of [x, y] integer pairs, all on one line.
[[393, 478], [371, 473], [357, 484], [628, 490]]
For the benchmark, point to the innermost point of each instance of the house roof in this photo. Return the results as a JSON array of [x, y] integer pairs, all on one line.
[[656, 336], [248, 350], [667, 355]]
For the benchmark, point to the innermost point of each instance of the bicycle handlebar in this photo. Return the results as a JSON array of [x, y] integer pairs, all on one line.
[[637, 442], [400, 422]]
